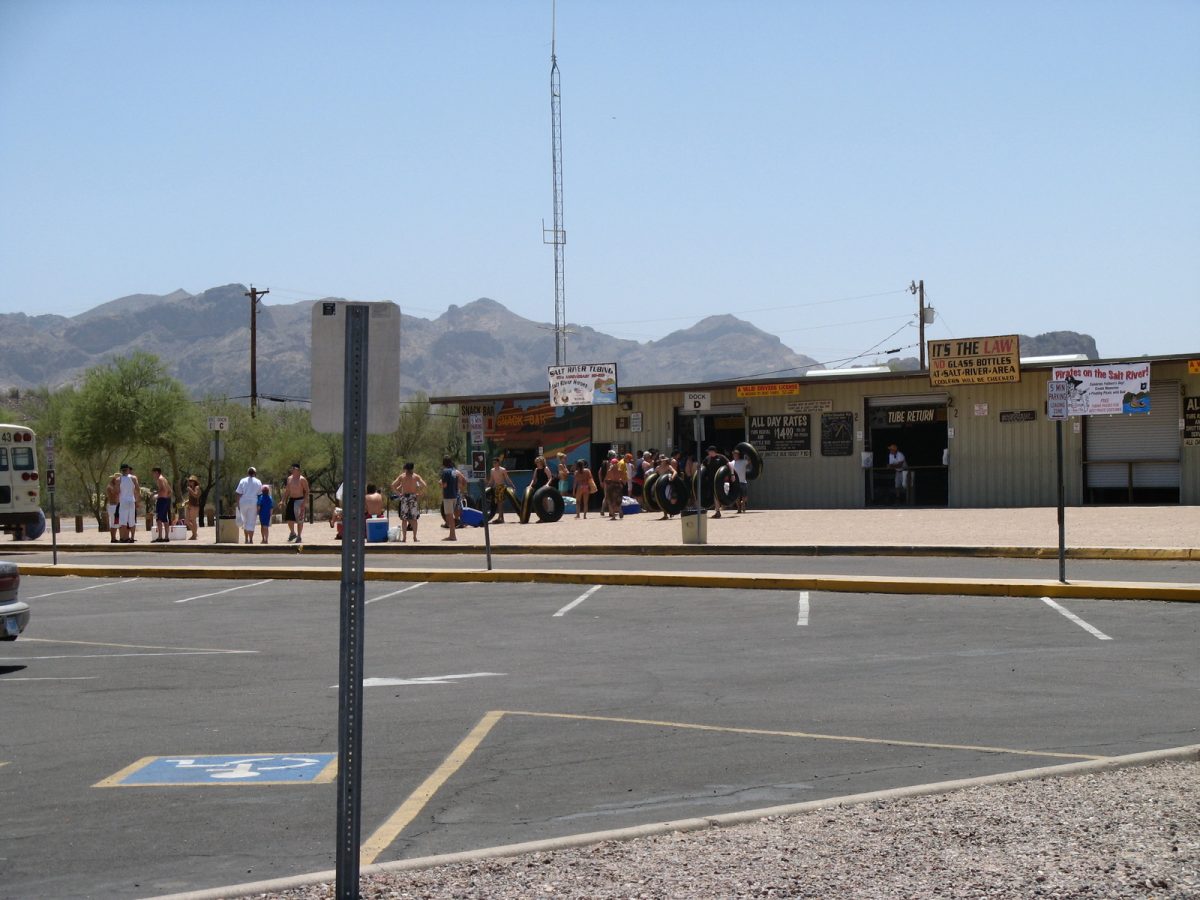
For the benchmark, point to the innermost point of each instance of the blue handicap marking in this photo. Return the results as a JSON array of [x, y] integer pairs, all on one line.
[[248, 769]]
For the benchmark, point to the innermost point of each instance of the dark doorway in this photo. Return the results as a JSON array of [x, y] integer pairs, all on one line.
[[920, 432]]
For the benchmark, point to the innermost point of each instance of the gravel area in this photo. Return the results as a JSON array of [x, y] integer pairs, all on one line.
[[1132, 832]]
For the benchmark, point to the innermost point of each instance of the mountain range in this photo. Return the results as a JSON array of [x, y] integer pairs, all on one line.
[[480, 347]]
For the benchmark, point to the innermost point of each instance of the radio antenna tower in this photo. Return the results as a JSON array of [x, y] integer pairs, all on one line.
[[557, 236]]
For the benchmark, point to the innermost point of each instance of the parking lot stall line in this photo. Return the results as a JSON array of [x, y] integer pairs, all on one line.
[[1090, 629], [226, 591], [402, 590], [574, 603], [802, 613], [854, 739], [90, 587]]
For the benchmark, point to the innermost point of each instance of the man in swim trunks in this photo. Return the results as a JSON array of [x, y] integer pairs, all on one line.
[[162, 506], [409, 485], [295, 499]]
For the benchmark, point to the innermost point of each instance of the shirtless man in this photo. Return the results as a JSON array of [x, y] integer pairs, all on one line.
[[162, 506], [112, 496], [373, 502], [409, 485], [499, 482], [295, 499]]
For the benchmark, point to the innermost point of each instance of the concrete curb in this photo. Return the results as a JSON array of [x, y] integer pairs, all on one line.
[[858, 584], [1190, 753], [1162, 554]]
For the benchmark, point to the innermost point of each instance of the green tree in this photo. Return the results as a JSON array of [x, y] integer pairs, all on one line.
[[124, 406]]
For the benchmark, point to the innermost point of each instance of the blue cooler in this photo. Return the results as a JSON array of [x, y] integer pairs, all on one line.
[[377, 530], [472, 517]]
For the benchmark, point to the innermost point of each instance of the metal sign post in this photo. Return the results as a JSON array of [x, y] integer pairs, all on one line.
[[217, 424], [357, 399], [1057, 393], [50, 487], [350, 688], [476, 422], [699, 402]]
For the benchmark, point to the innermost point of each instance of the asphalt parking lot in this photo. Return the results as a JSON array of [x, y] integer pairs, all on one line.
[[171, 735]]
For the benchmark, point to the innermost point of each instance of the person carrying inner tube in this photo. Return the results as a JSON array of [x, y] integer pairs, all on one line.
[[738, 464], [666, 469], [711, 464]]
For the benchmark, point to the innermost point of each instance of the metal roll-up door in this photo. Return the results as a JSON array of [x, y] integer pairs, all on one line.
[[1150, 442]]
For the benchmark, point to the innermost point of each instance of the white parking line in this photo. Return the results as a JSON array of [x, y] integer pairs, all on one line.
[[124, 655], [401, 591], [574, 603], [90, 587], [47, 678], [802, 615], [1100, 635], [226, 591]]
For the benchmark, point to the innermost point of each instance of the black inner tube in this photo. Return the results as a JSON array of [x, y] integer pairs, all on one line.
[[547, 504], [680, 494], [754, 464], [649, 499]]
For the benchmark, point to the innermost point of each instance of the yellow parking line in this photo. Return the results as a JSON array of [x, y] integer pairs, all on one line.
[[398, 821], [809, 735]]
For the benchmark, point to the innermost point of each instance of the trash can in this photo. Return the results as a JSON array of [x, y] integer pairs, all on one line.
[[227, 530], [695, 526]]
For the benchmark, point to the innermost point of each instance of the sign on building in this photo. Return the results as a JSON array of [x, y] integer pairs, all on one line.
[[588, 384], [837, 434], [1106, 390], [782, 435], [1191, 421], [788, 389], [697, 401], [980, 360]]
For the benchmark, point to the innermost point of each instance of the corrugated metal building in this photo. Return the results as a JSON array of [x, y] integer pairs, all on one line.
[[824, 437]]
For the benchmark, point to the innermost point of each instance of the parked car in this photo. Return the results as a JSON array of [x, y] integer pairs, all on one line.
[[14, 615]]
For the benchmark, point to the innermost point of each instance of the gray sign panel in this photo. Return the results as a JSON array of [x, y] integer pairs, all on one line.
[[329, 366]]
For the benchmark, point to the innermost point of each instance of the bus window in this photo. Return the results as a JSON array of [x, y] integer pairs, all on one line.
[[3, 459], [22, 459]]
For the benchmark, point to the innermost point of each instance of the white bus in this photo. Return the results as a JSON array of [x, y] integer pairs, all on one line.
[[20, 509]]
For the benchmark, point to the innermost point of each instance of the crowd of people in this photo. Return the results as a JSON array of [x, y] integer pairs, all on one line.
[[617, 477]]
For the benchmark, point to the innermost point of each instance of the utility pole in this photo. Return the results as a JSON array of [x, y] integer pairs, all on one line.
[[918, 288], [254, 300]]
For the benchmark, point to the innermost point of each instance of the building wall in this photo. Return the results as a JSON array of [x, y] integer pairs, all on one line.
[[992, 463]]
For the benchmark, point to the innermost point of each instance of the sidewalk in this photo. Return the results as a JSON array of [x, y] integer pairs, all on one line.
[[1175, 528]]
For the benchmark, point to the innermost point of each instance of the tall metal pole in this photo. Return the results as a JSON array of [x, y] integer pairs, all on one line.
[[558, 237], [254, 299], [350, 688], [1062, 518]]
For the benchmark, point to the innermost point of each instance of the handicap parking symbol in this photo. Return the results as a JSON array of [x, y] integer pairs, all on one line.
[[248, 769]]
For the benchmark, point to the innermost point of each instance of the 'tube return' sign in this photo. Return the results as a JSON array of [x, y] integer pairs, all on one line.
[[981, 360]]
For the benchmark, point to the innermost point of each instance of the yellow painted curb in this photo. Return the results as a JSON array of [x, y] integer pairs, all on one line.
[[859, 584]]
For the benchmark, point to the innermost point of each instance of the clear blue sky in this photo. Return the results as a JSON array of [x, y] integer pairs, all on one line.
[[795, 163]]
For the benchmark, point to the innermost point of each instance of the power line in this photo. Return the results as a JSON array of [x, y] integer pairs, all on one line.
[[759, 309]]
